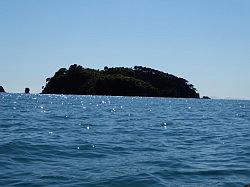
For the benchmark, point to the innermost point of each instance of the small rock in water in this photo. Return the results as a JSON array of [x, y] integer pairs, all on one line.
[[2, 89], [27, 90]]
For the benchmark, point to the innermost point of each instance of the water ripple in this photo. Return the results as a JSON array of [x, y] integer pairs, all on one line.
[[56, 140]]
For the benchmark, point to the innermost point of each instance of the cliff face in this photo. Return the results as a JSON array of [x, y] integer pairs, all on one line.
[[1, 89], [119, 81]]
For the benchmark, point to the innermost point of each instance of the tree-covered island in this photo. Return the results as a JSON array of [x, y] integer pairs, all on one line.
[[118, 81]]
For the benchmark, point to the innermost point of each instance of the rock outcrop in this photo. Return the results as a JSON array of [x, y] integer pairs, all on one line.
[[206, 97], [2, 89], [27, 90]]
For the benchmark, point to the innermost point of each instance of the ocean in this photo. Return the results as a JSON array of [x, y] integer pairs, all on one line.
[[64, 140]]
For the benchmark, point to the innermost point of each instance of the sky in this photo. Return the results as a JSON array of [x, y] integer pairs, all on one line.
[[206, 42]]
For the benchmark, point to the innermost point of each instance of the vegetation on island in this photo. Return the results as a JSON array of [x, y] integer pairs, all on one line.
[[2, 89], [118, 81]]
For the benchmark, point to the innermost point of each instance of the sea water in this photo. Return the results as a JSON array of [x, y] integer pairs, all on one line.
[[58, 140]]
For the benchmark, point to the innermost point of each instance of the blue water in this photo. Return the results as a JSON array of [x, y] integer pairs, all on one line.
[[56, 140]]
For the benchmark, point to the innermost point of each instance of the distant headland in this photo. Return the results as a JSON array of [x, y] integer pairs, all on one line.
[[118, 81]]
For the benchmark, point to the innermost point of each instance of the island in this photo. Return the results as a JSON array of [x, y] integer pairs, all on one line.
[[118, 81], [2, 89]]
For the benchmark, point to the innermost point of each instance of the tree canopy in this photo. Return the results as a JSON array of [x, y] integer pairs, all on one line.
[[118, 81]]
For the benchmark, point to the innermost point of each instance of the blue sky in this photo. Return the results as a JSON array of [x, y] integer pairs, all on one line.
[[204, 41]]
